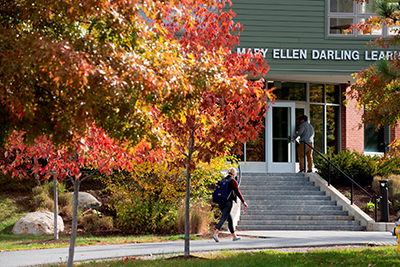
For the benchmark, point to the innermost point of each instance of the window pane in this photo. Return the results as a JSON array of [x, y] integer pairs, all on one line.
[[393, 30], [332, 128], [317, 121], [341, 6], [255, 150], [373, 140], [338, 25], [370, 7], [369, 31], [317, 93], [281, 145], [333, 94], [289, 91]]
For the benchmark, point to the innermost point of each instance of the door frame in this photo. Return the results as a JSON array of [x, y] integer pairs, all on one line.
[[280, 166]]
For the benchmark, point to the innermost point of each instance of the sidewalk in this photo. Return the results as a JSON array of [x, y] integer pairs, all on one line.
[[251, 240]]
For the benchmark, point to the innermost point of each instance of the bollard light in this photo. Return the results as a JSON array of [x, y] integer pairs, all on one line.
[[385, 201]]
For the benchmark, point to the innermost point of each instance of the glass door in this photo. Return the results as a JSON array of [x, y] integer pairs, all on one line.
[[280, 128]]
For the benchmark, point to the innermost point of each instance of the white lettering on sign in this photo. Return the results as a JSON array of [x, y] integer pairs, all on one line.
[[263, 51], [252, 51], [335, 55], [379, 55], [289, 53], [323, 54]]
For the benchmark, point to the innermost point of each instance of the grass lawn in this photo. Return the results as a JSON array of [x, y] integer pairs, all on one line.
[[377, 256]]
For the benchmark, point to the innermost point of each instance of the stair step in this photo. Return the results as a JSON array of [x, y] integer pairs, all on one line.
[[295, 222], [296, 217], [282, 193], [294, 207], [292, 189], [263, 202], [301, 228], [261, 180], [286, 198], [298, 212], [272, 174], [282, 184]]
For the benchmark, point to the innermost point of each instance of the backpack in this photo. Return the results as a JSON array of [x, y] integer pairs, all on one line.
[[221, 193]]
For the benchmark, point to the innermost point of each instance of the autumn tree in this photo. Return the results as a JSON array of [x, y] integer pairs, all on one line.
[[66, 65], [223, 108], [95, 153], [134, 68], [377, 87]]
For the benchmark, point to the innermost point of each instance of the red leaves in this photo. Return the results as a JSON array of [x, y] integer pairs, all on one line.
[[95, 151], [126, 259]]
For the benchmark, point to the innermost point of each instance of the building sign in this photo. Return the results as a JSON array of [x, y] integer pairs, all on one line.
[[323, 54]]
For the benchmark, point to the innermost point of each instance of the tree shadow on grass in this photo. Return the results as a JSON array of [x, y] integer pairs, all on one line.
[[184, 257]]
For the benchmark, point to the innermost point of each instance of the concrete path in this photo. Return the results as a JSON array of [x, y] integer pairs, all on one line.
[[251, 240]]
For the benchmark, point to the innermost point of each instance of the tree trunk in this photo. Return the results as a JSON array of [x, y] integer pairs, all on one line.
[[74, 224], [55, 209], [187, 198], [187, 214]]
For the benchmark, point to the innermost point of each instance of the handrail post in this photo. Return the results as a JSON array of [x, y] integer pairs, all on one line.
[[329, 171], [352, 189], [305, 158], [376, 208]]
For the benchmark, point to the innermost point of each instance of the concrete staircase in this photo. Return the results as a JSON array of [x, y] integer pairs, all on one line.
[[290, 201]]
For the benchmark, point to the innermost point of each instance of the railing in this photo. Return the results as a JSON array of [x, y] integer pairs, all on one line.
[[328, 160]]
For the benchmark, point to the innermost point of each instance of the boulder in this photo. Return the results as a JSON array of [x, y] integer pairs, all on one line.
[[87, 201], [37, 223]]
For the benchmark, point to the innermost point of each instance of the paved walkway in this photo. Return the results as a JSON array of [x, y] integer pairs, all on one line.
[[251, 240]]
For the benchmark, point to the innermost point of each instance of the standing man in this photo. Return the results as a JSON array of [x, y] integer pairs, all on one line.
[[306, 133]]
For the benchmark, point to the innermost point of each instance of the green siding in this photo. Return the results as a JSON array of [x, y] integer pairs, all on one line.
[[296, 24]]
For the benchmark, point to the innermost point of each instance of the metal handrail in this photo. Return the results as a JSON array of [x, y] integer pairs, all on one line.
[[345, 175]]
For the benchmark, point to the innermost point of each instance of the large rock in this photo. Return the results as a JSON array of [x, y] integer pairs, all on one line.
[[37, 223], [87, 201]]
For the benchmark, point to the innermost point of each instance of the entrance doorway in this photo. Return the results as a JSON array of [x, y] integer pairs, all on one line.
[[281, 152]]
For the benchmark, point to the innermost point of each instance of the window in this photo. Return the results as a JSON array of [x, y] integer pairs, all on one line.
[[375, 140], [317, 93], [333, 94], [342, 14], [288, 90], [255, 150]]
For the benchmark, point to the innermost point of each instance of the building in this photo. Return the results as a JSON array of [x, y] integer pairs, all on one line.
[[312, 60]]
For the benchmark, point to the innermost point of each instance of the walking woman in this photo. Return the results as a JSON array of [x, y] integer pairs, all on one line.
[[226, 207]]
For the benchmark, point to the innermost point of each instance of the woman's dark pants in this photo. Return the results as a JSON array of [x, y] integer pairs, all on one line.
[[226, 215]]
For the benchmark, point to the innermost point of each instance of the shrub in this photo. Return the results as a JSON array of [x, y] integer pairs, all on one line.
[[147, 199], [390, 165], [65, 203], [369, 206], [43, 196], [362, 167], [141, 216], [200, 218], [95, 222]]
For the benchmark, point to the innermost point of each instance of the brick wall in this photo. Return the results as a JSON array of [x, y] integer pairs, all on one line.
[[394, 133], [352, 135]]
